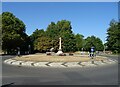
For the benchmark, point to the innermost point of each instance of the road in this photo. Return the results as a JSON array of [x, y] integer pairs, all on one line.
[[101, 75]]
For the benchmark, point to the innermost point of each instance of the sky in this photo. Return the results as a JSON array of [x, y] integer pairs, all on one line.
[[87, 18]]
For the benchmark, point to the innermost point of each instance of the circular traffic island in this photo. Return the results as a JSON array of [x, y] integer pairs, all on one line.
[[43, 60]]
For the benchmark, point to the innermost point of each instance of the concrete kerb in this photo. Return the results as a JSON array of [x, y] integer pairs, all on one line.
[[59, 64], [41, 64]]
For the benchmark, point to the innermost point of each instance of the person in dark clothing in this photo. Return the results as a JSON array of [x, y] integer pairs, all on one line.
[[18, 51], [92, 50]]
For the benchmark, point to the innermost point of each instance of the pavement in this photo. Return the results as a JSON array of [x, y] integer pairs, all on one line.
[[28, 75]]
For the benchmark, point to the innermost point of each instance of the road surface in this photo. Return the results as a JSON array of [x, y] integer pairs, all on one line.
[[101, 75]]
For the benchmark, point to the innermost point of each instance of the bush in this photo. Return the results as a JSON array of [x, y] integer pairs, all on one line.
[[62, 54], [49, 53], [70, 54]]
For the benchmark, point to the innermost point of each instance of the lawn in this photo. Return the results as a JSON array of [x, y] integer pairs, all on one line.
[[46, 58]]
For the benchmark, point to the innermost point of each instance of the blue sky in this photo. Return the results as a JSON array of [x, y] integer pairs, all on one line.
[[87, 18]]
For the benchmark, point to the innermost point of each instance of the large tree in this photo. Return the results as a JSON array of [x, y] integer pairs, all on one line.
[[93, 41], [51, 36], [42, 44], [68, 38], [36, 34], [40, 41], [52, 31], [79, 41], [13, 33], [62, 29], [113, 38], [0, 33]]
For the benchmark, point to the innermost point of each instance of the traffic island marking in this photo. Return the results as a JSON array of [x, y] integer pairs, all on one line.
[[40, 64], [64, 64], [56, 64], [73, 64], [89, 63]]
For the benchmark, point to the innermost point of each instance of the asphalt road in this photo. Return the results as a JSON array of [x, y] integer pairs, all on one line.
[[101, 75]]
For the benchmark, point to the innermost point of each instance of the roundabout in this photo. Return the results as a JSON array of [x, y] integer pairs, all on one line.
[[41, 60], [60, 75]]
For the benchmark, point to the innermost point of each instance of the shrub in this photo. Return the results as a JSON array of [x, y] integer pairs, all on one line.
[[62, 54], [48, 53], [70, 54]]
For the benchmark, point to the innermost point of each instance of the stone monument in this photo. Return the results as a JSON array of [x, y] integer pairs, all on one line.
[[60, 50]]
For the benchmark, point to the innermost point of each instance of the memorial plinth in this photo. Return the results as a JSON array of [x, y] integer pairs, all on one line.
[[60, 50]]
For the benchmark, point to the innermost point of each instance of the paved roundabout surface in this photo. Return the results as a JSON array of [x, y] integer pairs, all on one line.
[[91, 63]]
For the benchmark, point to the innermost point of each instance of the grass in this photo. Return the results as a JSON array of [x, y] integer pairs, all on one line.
[[46, 58]]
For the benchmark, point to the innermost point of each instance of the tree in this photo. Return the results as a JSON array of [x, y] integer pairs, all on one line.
[[61, 29], [13, 33], [52, 31], [93, 41], [79, 41], [36, 34], [42, 44], [34, 38], [0, 33], [68, 41], [113, 38], [68, 38], [64, 25]]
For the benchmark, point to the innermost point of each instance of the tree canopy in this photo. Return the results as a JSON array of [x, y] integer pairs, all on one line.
[[0, 32], [51, 37], [13, 33], [113, 38], [79, 41], [93, 41], [42, 40]]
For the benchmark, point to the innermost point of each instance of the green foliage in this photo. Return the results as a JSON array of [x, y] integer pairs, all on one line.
[[36, 34], [0, 33], [52, 31], [68, 41], [93, 41], [40, 41], [13, 33], [62, 29], [51, 37], [64, 25], [13, 36], [113, 38], [79, 41], [42, 44]]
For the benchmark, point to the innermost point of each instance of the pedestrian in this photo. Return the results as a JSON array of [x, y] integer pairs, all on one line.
[[18, 51]]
